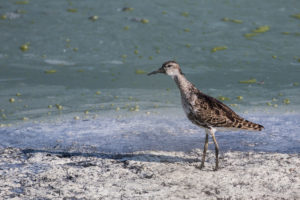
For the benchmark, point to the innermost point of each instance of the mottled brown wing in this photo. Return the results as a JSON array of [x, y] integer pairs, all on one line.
[[208, 111], [214, 113]]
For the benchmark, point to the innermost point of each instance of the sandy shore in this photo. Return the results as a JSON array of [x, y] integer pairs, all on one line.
[[34, 174]]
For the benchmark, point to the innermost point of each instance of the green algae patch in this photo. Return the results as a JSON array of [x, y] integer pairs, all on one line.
[[139, 71], [12, 100], [126, 28], [145, 21], [24, 47], [237, 21], [249, 35], [136, 108], [261, 29], [3, 17], [20, 11], [22, 2], [257, 31], [127, 9], [59, 107], [51, 71], [219, 48], [186, 30], [4, 116], [240, 97], [72, 10], [222, 98], [286, 101], [98, 92], [185, 14], [297, 16], [250, 81], [93, 18]]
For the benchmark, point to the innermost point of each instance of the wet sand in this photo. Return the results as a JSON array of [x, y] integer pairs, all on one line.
[[41, 174]]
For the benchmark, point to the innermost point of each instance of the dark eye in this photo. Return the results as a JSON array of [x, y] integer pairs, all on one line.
[[169, 65]]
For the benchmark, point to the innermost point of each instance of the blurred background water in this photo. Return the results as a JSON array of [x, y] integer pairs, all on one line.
[[85, 60]]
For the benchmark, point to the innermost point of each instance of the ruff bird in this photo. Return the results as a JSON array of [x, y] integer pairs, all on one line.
[[205, 111]]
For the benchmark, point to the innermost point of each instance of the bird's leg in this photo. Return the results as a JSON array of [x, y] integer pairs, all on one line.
[[204, 150], [212, 132]]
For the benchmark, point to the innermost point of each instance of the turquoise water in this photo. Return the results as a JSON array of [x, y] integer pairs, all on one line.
[[57, 63]]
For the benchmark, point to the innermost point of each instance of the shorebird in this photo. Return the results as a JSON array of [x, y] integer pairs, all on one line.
[[205, 111]]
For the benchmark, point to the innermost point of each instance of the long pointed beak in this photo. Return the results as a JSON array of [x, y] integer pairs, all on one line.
[[160, 70]]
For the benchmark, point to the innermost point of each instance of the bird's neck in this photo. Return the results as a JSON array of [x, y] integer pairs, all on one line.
[[183, 84]]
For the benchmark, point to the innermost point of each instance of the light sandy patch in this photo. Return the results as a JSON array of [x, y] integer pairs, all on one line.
[[37, 174]]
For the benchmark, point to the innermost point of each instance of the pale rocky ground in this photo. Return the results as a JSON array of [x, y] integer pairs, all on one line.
[[28, 174]]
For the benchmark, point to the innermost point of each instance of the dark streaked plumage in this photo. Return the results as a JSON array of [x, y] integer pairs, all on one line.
[[210, 112], [203, 110]]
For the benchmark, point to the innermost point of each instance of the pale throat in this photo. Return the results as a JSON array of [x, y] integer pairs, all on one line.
[[183, 84]]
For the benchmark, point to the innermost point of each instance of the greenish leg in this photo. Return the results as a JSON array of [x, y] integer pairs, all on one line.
[[216, 149], [204, 150]]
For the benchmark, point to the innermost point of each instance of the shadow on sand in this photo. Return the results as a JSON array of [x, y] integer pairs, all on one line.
[[122, 157]]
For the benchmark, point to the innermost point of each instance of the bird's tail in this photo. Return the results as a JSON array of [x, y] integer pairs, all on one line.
[[247, 125]]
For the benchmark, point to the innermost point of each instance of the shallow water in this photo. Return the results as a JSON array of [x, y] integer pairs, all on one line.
[[157, 132], [96, 68]]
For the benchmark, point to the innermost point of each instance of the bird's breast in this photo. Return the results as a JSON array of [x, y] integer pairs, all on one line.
[[186, 106]]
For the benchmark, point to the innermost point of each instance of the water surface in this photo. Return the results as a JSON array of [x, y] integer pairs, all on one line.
[[76, 67]]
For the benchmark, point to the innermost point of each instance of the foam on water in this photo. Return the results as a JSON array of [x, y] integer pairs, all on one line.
[[150, 132], [58, 62]]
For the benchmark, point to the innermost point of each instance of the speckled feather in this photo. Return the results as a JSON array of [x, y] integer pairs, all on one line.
[[206, 111], [209, 112]]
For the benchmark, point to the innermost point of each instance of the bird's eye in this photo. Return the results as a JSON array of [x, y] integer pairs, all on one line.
[[169, 65]]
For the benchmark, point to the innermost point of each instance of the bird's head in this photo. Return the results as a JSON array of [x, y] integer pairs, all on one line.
[[170, 68]]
